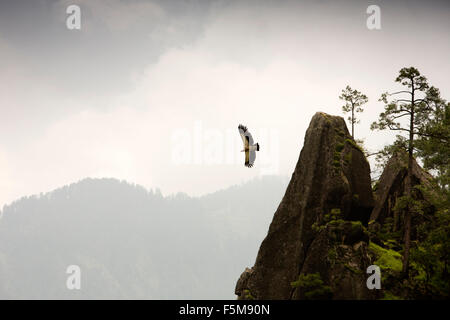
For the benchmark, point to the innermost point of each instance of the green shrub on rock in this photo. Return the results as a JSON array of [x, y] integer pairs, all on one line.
[[312, 286]]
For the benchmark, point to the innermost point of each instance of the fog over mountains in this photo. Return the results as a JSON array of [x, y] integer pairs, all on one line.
[[131, 243]]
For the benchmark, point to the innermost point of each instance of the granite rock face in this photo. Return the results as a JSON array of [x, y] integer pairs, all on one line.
[[391, 187], [319, 226]]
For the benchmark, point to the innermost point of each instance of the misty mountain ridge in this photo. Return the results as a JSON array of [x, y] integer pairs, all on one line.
[[131, 242]]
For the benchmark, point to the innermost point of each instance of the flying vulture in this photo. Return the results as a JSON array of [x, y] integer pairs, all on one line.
[[250, 148]]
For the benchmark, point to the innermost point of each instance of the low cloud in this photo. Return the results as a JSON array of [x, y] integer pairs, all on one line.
[[269, 70]]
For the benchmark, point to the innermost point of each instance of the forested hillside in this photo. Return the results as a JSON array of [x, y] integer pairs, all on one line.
[[133, 243]]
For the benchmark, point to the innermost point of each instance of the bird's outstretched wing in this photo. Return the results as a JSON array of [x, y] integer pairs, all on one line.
[[251, 159], [242, 130], [246, 136], [247, 139]]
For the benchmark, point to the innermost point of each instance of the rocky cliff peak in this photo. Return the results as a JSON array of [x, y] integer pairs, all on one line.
[[317, 233]]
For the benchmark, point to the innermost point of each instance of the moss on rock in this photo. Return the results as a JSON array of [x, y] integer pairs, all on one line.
[[387, 259]]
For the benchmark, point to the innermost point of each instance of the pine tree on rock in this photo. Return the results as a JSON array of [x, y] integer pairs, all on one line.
[[353, 103], [406, 113]]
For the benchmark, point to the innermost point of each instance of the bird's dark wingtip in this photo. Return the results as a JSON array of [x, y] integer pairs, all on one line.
[[244, 128]]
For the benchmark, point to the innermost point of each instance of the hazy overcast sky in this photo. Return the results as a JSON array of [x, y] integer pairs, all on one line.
[[144, 83]]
